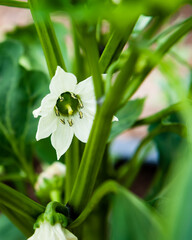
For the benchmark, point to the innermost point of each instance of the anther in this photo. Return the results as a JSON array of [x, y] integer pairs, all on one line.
[[62, 121], [57, 111], [80, 115], [61, 99], [70, 121], [73, 96], [80, 103]]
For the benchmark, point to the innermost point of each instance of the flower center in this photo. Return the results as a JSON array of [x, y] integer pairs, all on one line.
[[67, 104]]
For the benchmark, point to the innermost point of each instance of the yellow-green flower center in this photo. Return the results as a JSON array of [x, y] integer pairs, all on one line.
[[67, 104]]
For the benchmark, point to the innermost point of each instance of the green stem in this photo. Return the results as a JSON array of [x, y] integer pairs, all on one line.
[[55, 195], [106, 188], [90, 45], [13, 3], [47, 37], [159, 115], [95, 147], [72, 164], [128, 172], [114, 46], [12, 177], [19, 203], [159, 53]]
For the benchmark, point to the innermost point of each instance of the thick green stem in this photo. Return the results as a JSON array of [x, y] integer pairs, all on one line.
[[72, 163], [114, 46], [106, 188], [90, 45], [13, 3], [19, 203], [47, 37], [95, 147]]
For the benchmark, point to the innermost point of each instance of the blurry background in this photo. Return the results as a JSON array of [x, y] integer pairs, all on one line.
[[16, 23]]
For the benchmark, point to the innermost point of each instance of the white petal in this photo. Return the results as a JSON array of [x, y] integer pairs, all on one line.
[[90, 107], [62, 82], [115, 119], [37, 112], [85, 89], [82, 127], [46, 126], [69, 235], [48, 103], [61, 138]]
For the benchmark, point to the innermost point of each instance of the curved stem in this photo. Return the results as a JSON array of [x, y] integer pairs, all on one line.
[[161, 50], [19, 203], [158, 116], [47, 37], [14, 3], [129, 170], [95, 147]]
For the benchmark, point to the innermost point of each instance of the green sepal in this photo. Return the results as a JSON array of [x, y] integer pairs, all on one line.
[[55, 212]]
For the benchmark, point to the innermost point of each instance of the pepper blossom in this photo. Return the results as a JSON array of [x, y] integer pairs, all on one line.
[[46, 231], [68, 110]]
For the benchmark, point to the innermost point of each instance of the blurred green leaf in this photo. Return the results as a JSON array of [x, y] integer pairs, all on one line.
[[131, 219], [20, 93], [33, 57], [45, 151], [127, 117], [8, 231]]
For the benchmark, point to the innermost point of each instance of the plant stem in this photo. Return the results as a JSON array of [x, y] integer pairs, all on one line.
[[131, 168], [19, 203], [13, 3], [114, 46], [159, 115], [88, 39], [95, 147], [47, 37], [72, 163], [161, 50]]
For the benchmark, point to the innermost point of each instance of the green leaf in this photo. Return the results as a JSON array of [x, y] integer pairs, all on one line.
[[8, 230], [20, 93], [131, 219], [127, 117]]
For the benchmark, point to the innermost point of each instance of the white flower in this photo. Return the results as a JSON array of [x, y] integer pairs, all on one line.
[[48, 232], [55, 169], [68, 109]]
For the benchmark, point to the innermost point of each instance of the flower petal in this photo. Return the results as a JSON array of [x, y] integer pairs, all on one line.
[[85, 89], [46, 126], [90, 107], [82, 127], [62, 82], [69, 235], [61, 138], [37, 112], [47, 105], [115, 119]]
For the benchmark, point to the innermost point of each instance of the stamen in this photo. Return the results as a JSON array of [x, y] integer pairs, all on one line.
[[70, 121], [80, 103], [61, 99], [73, 95], [57, 111], [69, 109], [80, 115], [62, 121]]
